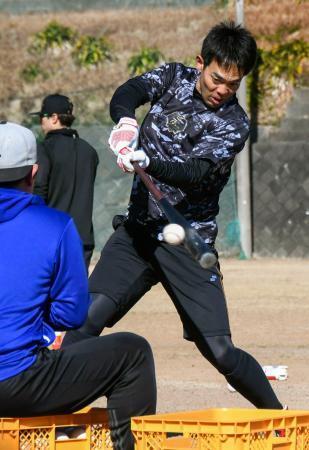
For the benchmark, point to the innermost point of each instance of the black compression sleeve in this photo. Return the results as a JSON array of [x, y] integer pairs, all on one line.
[[127, 98], [179, 174]]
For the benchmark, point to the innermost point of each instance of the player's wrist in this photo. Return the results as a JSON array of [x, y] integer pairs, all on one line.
[[127, 121]]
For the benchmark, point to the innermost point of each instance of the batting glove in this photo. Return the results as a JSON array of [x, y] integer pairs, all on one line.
[[127, 156], [123, 135], [123, 159]]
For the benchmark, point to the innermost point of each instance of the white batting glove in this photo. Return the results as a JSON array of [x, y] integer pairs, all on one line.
[[127, 156], [123, 159], [124, 134], [141, 158]]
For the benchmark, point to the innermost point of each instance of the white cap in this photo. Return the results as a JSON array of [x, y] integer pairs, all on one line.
[[18, 151]]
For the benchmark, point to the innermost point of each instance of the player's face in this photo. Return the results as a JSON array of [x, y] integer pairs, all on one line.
[[217, 84]]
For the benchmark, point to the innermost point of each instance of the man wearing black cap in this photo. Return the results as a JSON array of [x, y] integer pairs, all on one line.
[[67, 167]]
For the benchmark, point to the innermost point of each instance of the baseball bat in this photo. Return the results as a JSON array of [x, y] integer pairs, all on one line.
[[200, 251]]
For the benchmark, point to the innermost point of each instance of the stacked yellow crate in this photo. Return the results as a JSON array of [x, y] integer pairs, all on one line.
[[40, 433], [223, 429]]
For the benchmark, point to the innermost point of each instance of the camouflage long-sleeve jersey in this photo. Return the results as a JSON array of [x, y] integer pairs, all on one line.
[[179, 127]]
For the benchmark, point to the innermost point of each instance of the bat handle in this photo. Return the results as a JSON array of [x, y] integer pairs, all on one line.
[[148, 183]]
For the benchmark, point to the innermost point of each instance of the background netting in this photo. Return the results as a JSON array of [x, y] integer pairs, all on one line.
[[21, 6], [112, 190]]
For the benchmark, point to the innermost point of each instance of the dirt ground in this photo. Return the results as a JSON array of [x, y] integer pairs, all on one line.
[[269, 315]]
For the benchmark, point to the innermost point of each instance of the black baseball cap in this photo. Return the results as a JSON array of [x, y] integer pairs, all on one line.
[[54, 104]]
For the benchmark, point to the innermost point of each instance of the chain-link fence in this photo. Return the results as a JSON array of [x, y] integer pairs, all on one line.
[[22, 6], [280, 184], [280, 189], [112, 191]]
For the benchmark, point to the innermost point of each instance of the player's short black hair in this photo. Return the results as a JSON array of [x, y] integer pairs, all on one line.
[[230, 44]]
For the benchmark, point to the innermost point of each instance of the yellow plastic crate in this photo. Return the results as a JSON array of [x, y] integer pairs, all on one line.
[[223, 429], [38, 433]]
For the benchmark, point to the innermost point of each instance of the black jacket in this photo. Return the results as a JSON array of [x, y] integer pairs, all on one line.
[[65, 180]]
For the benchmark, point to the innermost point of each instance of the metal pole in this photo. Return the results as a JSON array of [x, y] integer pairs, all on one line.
[[243, 167], [240, 12]]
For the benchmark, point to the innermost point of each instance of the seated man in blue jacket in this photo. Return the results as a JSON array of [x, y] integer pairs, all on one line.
[[43, 287]]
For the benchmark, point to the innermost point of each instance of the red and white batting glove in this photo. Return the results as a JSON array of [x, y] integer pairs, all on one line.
[[127, 155], [123, 135]]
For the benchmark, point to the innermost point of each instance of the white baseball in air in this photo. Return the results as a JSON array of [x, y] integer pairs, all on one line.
[[173, 234]]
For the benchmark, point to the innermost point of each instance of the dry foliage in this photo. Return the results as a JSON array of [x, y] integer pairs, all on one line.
[[177, 33]]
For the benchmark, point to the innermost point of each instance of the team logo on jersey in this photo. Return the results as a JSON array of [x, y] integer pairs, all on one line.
[[176, 122]]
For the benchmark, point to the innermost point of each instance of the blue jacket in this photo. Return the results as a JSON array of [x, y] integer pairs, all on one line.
[[43, 281]]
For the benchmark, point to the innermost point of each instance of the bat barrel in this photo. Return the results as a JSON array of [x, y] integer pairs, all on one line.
[[198, 248], [207, 260], [200, 251]]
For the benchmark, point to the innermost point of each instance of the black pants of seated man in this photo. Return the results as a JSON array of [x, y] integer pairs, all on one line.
[[119, 366]]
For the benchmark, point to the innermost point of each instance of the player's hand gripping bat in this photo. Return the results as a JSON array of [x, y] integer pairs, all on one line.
[[193, 242]]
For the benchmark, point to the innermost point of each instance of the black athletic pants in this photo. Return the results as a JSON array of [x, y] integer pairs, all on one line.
[[131, 263], [119, 366]]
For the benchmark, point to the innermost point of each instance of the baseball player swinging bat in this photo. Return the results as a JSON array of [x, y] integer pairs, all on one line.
[[193, 242]]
